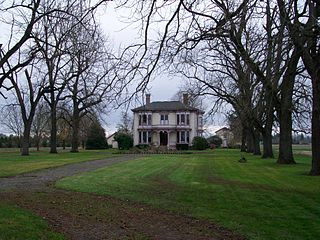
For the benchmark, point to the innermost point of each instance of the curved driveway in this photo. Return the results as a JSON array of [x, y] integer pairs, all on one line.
[[39, 180]]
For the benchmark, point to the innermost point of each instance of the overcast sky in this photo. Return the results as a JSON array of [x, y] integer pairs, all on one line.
[[120, 32], [113, 22]]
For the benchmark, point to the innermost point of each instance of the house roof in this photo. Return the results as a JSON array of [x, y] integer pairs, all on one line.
[[166, 106], [112, 135], [223, 129]]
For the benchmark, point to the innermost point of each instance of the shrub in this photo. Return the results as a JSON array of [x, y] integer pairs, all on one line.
[[182, 146], [143, 146], [96, 137], [125, 141], [199, 143], [216, 140]]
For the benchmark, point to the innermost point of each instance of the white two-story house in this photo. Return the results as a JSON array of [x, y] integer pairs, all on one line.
[[167, 123]]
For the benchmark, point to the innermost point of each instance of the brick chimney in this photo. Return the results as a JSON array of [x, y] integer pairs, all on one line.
[[185, 99], [148, 95]]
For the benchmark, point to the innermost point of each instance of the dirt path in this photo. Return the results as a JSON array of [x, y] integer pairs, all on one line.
[[88, 216], [41, 179]]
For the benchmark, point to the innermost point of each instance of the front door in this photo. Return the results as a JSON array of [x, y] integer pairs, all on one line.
[[163, 138]]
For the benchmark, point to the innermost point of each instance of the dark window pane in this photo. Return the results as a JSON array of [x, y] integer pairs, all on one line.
[[183, 136], [149, 137], [183, 119], [144, 137], [149, 119], [178, 119], [188, 119]]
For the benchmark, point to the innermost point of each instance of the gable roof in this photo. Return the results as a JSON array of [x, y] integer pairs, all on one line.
[[111, 136], [166, 106], [223, 129]]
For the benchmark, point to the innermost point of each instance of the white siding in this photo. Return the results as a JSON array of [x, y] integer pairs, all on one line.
[[135, 129], [172, 117]]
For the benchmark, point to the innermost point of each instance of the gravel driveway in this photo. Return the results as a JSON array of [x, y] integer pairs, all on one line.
[[82, 216], [40, 180]]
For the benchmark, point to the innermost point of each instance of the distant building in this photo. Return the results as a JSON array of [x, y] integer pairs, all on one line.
[[226, 135], [166, 123], [111, 141]]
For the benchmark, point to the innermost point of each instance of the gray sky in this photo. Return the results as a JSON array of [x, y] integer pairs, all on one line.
[[122, 33], [162, 87]]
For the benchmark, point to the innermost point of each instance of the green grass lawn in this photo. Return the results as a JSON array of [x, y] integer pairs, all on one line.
[[12, 163], [259, 199], [18, 224]]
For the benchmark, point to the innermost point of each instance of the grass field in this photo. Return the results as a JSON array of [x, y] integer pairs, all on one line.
[[18, 224], [259, 199], [12, 163]]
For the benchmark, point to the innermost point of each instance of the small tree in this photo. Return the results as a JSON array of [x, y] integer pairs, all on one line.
[[216, 140], [199, 143], [96, 137], [125, 141]]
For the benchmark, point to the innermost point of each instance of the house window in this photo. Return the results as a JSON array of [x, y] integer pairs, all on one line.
[[145, 119], [183, 119], [145, 137], [200, 121], [183, 137], [164, 119]]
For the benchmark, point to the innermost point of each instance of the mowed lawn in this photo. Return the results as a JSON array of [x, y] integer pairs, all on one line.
[[12, 163], [16, 223], [259, 199]]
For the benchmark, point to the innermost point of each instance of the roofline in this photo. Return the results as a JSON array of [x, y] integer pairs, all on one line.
[[178, 110], [193, 109]]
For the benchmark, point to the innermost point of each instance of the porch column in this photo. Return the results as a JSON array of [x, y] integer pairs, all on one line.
[[158, 138]]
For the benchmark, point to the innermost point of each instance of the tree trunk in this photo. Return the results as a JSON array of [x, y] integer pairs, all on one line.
[[75, 131], [243, 139], [250, 142], [256, 142], [315, 165], [26, 139], [267, 145], [285, 122], [266, 131], [38, 143], [285, 144], [53, 131], [285, 111], [267, 136]]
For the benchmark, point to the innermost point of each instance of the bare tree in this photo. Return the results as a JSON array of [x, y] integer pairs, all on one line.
[[188, 25], [126, 123], [19, 18], [40, 126], [28, 95], [53, 37], [93, 81], [302, 22], [11, 119], [195, 99]]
